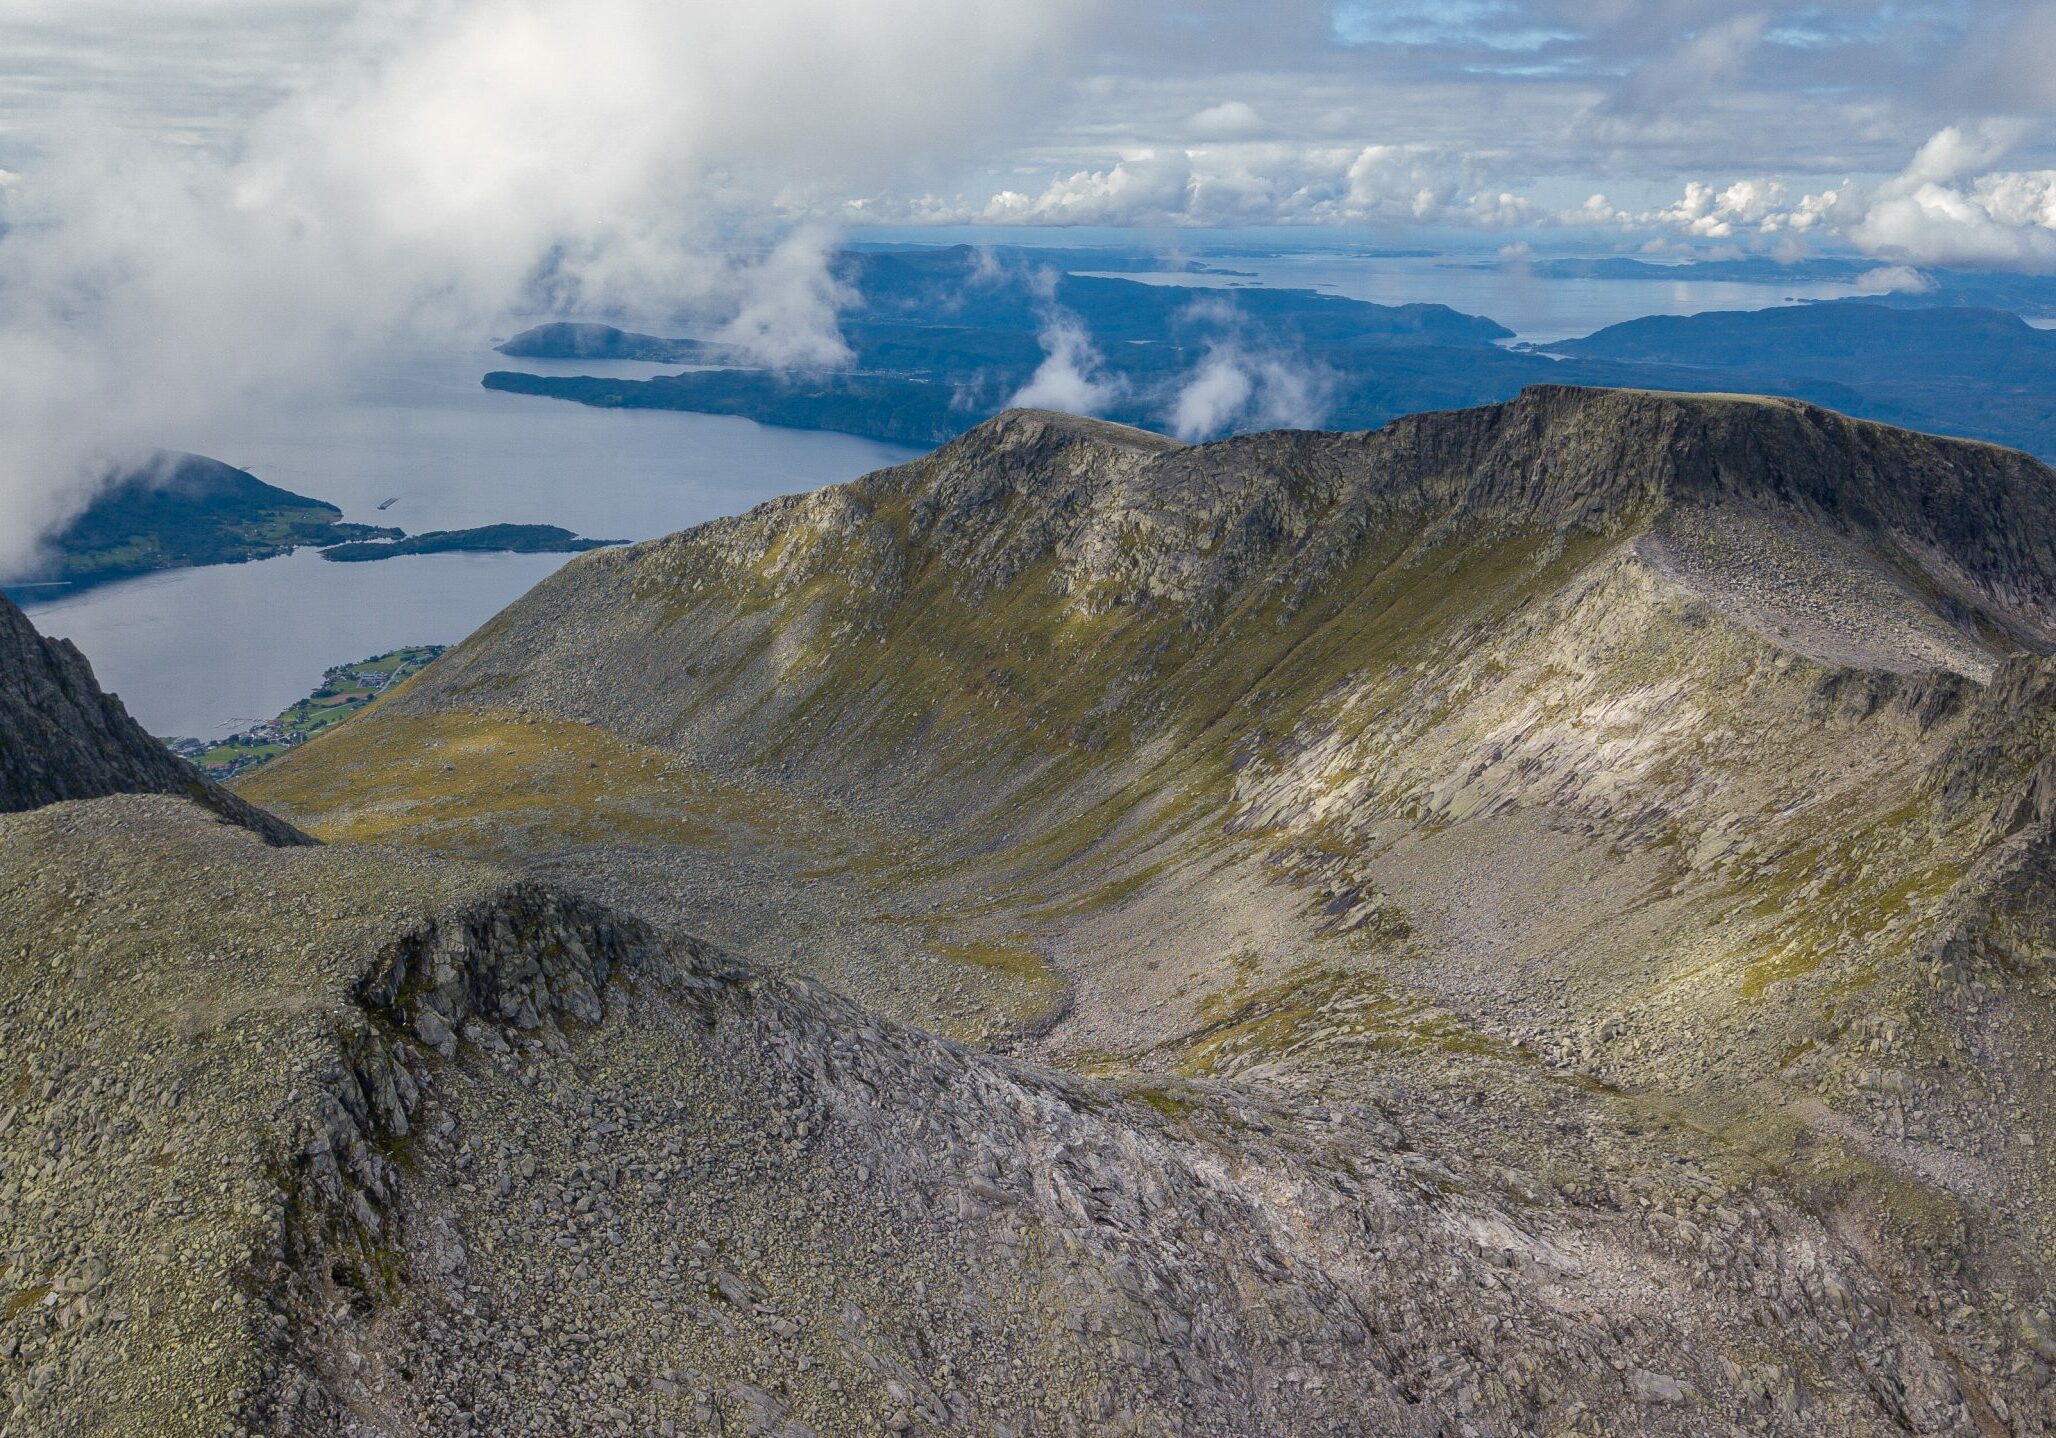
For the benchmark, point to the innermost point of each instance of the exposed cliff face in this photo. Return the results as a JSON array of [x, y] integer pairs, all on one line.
[[62, 738]]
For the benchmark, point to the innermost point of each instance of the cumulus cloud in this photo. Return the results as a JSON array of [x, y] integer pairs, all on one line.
[[457, 160], [1719, 214], [1072, 376], [1233, 388], [1269, 184], [1946, 207], [1145, 188], [1943, 211]]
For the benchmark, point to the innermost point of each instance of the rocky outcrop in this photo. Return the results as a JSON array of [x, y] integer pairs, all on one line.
[[62, 738], [441, 1153], [1130, 517]]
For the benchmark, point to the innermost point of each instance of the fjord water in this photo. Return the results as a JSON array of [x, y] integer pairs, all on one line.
[[200, 651]]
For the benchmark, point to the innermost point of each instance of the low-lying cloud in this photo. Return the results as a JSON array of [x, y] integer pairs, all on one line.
[[1234, 388], [458, 162], [1072, 376]]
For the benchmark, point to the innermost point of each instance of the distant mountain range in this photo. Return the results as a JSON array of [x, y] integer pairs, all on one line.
[[1978, 373], [1909, 287], [943, 338]]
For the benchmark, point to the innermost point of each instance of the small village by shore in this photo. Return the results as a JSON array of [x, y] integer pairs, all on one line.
[[345, 690]]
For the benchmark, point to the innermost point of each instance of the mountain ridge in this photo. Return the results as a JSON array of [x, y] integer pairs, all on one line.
[[1960, 545], [1533, 918]]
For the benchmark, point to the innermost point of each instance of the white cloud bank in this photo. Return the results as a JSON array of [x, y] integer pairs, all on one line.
[[1072, 376], [1256, 184], [1949, 207], [455, 160]]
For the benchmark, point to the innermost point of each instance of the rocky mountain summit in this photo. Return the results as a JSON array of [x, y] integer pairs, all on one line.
[[1528, 921]]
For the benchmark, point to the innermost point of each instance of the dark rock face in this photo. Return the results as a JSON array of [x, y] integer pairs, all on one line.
[[62, 738]]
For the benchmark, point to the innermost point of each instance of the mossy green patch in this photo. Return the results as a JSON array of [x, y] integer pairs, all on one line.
[[489, 781], [22, 1300], [1315, 1007], [1032, 988]]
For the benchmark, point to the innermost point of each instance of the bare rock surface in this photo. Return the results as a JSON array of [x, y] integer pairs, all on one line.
[[362, 1142]]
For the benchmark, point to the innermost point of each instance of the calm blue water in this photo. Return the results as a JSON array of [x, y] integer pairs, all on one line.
[[204, 651]]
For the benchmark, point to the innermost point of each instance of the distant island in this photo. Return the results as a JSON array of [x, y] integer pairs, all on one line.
[[486, 539], [881, 407], [182, 510], [590, 341]]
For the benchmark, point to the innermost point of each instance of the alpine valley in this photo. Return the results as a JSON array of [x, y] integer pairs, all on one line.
[[1533, 919]]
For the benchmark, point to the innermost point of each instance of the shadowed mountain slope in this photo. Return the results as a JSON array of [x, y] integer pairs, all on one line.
[[62, 738]]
